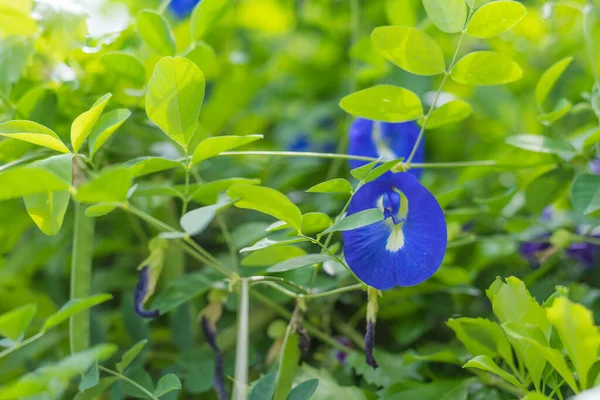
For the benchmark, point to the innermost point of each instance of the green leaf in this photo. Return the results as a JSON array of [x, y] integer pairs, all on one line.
[[264, 388], [23, 181], [206, 14], [196, 221], [32, 132], [288, 364], [357, 220], [90, 379], [548, 80], [536, 396], [440, 389], [299, 262], [562, 109], [16, 19], [272, 255], [142, 378], [541, 144], [99, 210], [84, 123], [14, 323], [111, 185], [38, 104], [304, 391], [174, 98], [363, 171], [148, 165], [410, 49], [547, 188], [268, 201], [448, 15], [73, 307], [180, 291], [585, 193], [155, 31], [495, 18], [266, 242], [337, 185], [476, 3], [448, 113], [167, 384], [106, 125], [130, 355], [205, 58], [207, 193], [93, 392], [578, 334], [48, 210], [487, 364], [486, 68], [384, 103], [214, 146], [315, 222], [125, 66]]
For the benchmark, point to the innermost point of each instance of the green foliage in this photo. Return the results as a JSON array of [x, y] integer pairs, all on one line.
[[486, 68], [154, 29], [495, 18], [384, 103]]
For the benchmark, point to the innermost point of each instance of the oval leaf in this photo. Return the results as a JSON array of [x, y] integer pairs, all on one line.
[[268, 201], [448, 113], [33, 132], [196, 221], [174, 98], [107, 125], [14, 323], [585, 193], [130, 355], [148, 165], [548, 80], [448, 15], [304, 391], [337, 185], [156, 32], [125, 66], [357, 220], [83, 124], [110, 185], [167, 384], [23, 181], [214, 146], [299, 262], [385, 103], [206, 14], [495, 18], [486, 68], [272, 255], [410, 49], [541, 144]]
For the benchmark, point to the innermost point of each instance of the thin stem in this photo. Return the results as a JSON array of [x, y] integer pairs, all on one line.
[[358, 286], [240, 388], [437, 95], [255, 279], [228, 240], [277, 287], [308, 154], [21, 344], [126, 379], [186, 201]]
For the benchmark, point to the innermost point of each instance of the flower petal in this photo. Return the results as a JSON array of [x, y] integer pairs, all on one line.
[[401, 137], [361, 142]]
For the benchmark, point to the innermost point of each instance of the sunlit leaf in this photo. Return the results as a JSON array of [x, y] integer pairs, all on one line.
[[495, 18], [38, 105], [195, 222], [207, 193], [385, 103], [337, 185], [355, 221], [205, 58], [548, 80], [562, 109], [33, 132], [487, 364], [148, 165], [84, 123], [23, 181], [315, 222], [106, 125], [206, 14], [174, 98], [410, 49], [125, 66], [213, 146], [14, 323], [486, 68], [448, 15], [156, 32], [110, 185], [585, 193], [16, 19], [450, 112], [272, 255]]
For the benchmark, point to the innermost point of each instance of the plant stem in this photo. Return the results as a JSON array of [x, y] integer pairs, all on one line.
[[358, 286], [240, 387], [81, 277], [24, 343], [256, 279], [437, 95], [126, 379], [186, 201], [227, 236]]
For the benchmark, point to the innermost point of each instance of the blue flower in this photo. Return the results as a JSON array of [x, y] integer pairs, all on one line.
[[182, 8], [408, 246], [141, 289], [387, 140]]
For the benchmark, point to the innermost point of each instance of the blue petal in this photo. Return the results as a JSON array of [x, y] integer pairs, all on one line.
[[424, 232], [399, 138], [182, 8]]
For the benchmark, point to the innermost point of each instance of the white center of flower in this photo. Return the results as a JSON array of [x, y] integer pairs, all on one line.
[[383, 150], [394, 206]]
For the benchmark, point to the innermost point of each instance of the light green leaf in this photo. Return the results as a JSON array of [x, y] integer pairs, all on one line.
[[304, 391], [448, 113], [83, 124], [73, 307], [337, 185], [205, 58], [167, 384], [16, 19], [265, 387], [548, 80], [288, 364], [315, 222], [105, 127], [214, 146], [476, 3], [578, 334], [14, 323], [487, 364], [384, 103], [99, 210], [410, 49], [547, 188], [155, 31], [48, 209], [535, 396], [585, 193], [130, 355], [93, 392], [562, 109], [180, 291], [299, 262], [90, 379], [363, 171], [268, 201], [206, 14], [195, 222], [272, 255], [110, 185], [448, 15], [174, 98], [125, 66], [38, 105], [23, 181], [486, 68], [148, 165], [207, 193], [266, 242], [402, 12], [357, 220], [495, 18], [32, 132], [541, 144]]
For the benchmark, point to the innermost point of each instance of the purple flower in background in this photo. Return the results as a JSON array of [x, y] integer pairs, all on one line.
[[533, 250], [584, 252], [389, 141], [141, 290], [181, 8], [595, 166], [341, 355]]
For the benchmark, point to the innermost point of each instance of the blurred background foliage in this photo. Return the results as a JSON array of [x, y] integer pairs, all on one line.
[[279, 68]]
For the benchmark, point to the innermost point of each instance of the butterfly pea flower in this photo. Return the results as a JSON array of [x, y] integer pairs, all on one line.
[[408, 246], [389, 141], [210, 334], [372, 308], [181, 8], [141, 290]]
